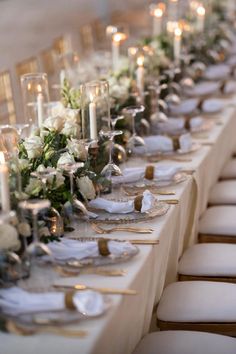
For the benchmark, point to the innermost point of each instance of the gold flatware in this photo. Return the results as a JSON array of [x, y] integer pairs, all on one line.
[[170, 201], [136, 190], [188, 172], [112, 291], [133, 242], [70, 272], [207, 143], [200, 136], [15, 328], [169, 158], [137, 230]]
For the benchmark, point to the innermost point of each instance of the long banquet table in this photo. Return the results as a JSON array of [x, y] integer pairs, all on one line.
[[128, 319]]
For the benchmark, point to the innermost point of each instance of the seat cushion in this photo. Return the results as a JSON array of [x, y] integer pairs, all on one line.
[[209, 259], [223, 193], [229, 170], [219, 220], [186, 342], [198, 302]]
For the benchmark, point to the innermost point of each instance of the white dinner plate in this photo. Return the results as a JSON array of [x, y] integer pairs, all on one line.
[[217, 72]]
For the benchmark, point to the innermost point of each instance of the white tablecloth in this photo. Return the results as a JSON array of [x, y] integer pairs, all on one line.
[[128, 319]]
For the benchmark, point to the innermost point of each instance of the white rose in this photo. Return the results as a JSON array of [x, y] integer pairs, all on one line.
[[9, 238], [65, 158], [23, 164], [57, 109], [86, 187], [34, 187], [71, 129], [72, 115], [54, 123], [33, 146], [24, 229], [76, 148]]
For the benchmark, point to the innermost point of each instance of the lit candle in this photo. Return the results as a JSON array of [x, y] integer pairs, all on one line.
[[93, 119], [157, 21], [177, 44], [116, 39], [4, 184], [40, 106], [62, 77], [140, 74], [200, 18]]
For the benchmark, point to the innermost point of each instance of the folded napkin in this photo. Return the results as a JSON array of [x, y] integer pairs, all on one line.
[[176, 124], [73, 249], [185, 107], [212, 105], [217, 72], [16, 301], [123, 207], [161, 143], [204, 89], [134, 174]]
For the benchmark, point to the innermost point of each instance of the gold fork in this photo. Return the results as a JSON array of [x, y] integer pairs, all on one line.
[[16, 328], [68, 272], [137, 230]]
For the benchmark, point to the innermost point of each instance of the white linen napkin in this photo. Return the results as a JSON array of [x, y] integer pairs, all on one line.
[[217, 72], [203, 89], [123, 207], [73, 249], [161, 143], [212, 105], [185, 107], [134, 174], [16, 301], [176, 124]]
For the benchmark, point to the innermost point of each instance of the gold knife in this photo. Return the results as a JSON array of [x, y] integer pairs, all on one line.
[[112, 291]]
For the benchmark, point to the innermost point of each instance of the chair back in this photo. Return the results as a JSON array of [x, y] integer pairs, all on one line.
[[7, 106]]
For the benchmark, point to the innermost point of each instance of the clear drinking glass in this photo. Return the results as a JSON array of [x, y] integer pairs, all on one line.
[[132, 111], [36, 249], [35, 95]]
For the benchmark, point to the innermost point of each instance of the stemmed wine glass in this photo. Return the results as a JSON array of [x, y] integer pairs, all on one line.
[[9, 141], [111, 169], [36, 249], [43, 174], [134, 140], [71, 168]]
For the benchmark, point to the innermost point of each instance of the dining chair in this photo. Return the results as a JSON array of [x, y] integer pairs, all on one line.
[[29, 65], [62, 44], [218, 225], [229, 170], [208, 261], [185, 342], [7, 105], [223, 193], [86, 38], [99, 30], [47, 57], [205, 306]]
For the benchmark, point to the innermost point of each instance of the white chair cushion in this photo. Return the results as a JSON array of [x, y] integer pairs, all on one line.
[[223, 193], [219, 220], [186, 342], [209, 259], [198, 301], [229, 170]]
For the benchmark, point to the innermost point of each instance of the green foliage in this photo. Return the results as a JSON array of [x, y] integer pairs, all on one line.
[[70, 96]]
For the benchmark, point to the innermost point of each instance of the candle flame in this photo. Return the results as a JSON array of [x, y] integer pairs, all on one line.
[[39, 88], [132, 51], [2, 157], [119, 36], [158, 13], [178, 32], [140, 60], [201, 11]]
